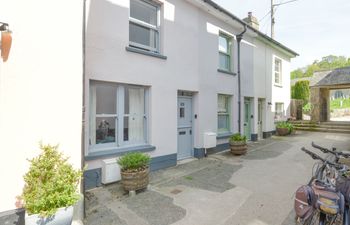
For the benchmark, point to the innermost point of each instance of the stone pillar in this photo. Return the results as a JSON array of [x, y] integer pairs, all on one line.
[[320, 108], [325, 105], [315, 104]]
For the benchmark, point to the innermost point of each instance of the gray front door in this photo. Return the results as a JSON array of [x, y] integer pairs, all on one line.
[[184, 127], [247, 118], [260, 119]]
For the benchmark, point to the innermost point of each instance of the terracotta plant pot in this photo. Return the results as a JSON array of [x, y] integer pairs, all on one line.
[[6, 41], [282, 131], [133, 181], [238, 147]]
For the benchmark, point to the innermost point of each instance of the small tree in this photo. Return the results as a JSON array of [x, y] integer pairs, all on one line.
[[301, 91], [50, 183]]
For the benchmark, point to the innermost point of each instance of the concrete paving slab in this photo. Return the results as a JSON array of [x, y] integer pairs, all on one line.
[[212, 178], [155, 208], [206, 207]]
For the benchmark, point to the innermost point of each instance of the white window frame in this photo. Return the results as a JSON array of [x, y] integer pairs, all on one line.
[[279, 115], [228, 53], [119, 118], [146, 25], [277, 73], [228, 113]]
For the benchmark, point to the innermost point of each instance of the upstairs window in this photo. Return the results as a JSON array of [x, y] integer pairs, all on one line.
[[278, 72], [225, 52], [144, 25], [223, 113]]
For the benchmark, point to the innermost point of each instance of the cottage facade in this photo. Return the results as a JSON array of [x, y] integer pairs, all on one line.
[[161, 75]]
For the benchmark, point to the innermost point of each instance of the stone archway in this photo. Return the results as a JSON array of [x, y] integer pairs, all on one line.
[[319, 93]]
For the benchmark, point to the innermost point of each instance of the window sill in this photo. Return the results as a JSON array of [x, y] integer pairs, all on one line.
[[227, 72], [224, 135], [278, 85], [143, 52], [115, 152]]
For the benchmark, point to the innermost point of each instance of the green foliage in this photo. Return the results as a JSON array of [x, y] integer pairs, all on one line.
[[335, 104], [285, 124], [329, 62], [134, 161], [298, 73], [307, 108], [238, 137], [50, 183], [301, 90]]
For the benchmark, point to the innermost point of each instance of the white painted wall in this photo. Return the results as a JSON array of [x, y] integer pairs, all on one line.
[[189, 38], [40, 87]]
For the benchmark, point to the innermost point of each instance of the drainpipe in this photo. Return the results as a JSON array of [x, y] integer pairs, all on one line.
[[82, 187], [239, 39]]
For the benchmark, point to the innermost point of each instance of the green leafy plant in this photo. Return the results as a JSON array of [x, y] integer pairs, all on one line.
[[51, 183], [238, 137], [134, 161], [285, 124]]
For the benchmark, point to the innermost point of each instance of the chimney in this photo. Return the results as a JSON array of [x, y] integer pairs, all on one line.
[[252, 21]]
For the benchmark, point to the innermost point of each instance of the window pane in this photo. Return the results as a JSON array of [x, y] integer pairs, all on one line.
[[105, 130], [134, 129], [277, 78], [134, 105], [223, 44], [224, 62], [106, 100], [143, 11], [223, 122], [222, 104], [142, 35]]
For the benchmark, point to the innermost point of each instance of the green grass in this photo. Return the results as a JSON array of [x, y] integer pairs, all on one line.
[[189, 178], [335, 104]]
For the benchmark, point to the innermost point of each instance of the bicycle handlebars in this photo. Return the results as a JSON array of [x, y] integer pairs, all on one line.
[[315, 156], [334, 152]]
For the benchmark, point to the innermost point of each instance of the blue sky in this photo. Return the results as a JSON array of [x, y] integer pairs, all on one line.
[[313, 28]]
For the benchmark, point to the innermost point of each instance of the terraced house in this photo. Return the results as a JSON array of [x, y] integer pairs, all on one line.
[[174, 78], [162, 77]]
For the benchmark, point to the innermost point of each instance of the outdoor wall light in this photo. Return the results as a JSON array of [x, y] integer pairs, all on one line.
[[6, 41]]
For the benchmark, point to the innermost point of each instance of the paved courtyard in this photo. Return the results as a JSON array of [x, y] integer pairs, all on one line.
[[255, 189]]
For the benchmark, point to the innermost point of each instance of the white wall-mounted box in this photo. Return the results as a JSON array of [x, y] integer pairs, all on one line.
[[110, 171], [209, 140]]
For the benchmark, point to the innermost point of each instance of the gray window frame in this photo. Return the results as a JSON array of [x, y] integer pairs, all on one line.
[[146, 25], [279, 72], [228, 114], [119, 118], [228, 53]]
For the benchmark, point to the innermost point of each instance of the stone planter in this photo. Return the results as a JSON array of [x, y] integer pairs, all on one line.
[[133, 181], [238, 147], [63, 216], [282, 131]]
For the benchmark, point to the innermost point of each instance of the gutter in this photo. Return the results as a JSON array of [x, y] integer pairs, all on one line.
[[239, 39], [264, 36]]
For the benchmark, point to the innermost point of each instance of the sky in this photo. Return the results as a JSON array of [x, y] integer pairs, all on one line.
[[312, 28]]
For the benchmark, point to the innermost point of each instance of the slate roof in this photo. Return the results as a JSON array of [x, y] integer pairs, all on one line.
[[264, 36], [340, 76], [316, 77]]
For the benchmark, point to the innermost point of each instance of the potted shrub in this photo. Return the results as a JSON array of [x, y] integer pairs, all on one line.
[[238, 144], [51, 188], [134, 169], [284, 128]]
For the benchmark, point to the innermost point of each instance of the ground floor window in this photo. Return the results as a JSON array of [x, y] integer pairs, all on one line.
[[223, 113], [279, 110], [117, 115]]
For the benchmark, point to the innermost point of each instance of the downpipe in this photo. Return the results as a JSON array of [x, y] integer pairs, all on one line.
[[239, 39]]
